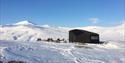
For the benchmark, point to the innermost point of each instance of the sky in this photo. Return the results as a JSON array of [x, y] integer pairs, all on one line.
[[70, 13]]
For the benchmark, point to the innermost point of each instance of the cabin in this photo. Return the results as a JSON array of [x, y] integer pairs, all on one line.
[[83, 36]]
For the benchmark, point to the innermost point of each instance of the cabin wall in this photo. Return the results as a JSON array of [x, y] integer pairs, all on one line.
[[72, 37], [83, 37], [96, 39]]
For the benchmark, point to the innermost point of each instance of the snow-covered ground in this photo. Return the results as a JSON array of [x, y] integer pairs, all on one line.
[[46, 52], [18, 42]]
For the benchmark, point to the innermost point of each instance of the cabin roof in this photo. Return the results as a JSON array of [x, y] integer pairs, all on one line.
[[83, 31]]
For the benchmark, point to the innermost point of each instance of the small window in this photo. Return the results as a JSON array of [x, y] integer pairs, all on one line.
[[94, 37]]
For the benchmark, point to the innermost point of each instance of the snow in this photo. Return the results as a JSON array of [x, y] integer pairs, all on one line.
[[25, 22], [108, 33], [32, 32], [44, 52], [19, 42]]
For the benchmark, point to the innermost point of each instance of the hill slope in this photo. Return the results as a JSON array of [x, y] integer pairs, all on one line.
[[26, 31]]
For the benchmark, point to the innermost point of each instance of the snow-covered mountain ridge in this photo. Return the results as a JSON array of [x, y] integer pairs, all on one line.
[[26, 31], [25, 22]]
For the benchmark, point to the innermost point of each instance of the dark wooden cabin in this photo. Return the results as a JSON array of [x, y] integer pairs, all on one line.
[[83, 36]]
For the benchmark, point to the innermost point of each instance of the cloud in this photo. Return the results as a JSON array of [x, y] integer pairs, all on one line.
[[94, 20], [123, 21], [46, 25]]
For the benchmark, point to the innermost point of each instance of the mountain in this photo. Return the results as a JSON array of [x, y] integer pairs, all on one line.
[[25, 22], [27, 31], [114, 33]]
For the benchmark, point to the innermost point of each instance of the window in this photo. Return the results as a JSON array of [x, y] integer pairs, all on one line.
[[94, 37]]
